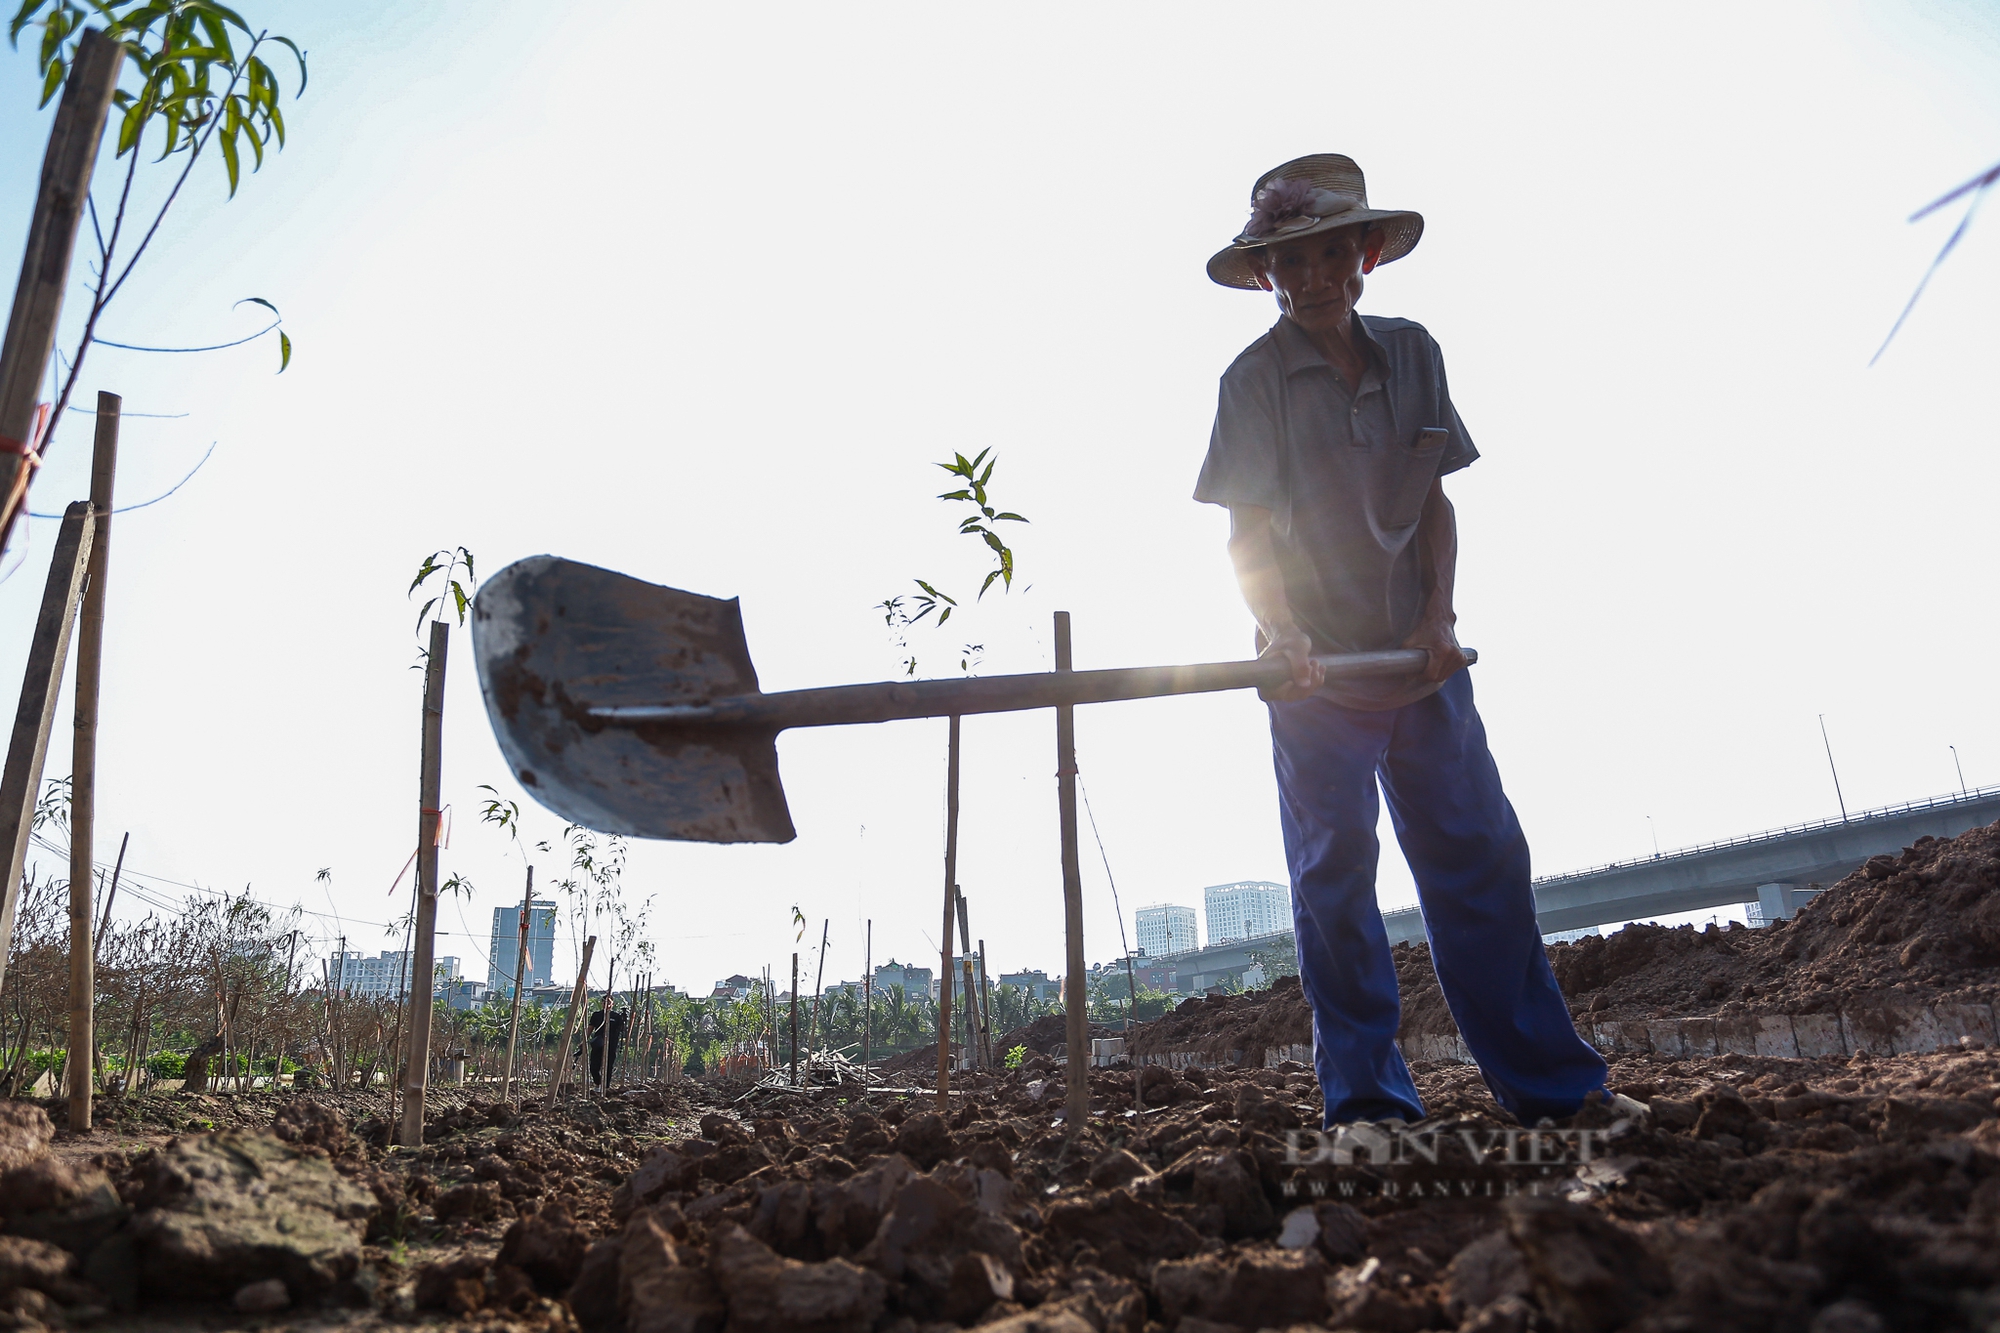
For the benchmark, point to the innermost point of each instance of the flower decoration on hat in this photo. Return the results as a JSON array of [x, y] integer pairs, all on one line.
[[1287, 204]]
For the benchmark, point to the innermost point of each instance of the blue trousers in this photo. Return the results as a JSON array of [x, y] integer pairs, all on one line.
[[1470, 860]]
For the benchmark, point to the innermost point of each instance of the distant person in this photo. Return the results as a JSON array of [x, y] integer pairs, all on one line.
[[619, 1022], [594, 1041], [1332, 439]]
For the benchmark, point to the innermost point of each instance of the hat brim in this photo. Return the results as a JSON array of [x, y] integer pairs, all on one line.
[[1230, 266]]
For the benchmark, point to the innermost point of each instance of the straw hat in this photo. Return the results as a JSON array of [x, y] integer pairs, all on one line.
[[1304, 197]]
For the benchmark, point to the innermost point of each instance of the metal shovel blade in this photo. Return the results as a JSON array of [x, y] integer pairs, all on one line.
[[554, 638]]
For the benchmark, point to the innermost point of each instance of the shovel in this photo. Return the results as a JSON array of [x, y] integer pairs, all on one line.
[[631, 708]]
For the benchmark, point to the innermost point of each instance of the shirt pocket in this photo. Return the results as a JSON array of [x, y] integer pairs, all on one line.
[[1419, 466]]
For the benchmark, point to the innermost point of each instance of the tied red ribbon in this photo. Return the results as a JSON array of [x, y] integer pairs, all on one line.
[[30, 448]]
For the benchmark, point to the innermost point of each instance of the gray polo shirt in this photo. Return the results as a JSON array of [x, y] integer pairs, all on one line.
[[1344, 472]]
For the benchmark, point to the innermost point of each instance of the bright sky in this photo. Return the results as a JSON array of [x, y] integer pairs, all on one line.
[[699, 294]]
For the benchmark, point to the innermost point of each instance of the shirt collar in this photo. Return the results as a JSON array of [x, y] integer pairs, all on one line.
[[1296, 351]]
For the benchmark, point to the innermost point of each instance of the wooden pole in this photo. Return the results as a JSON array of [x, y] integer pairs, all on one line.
[[795, 1020], [968, 990], [1075, 1004], [950, 898], [868, 991], [41, 684], [67, 165], [424, 944], [569, 1024], [819, 983], [83, 771], [520, 971], [985, 1009]]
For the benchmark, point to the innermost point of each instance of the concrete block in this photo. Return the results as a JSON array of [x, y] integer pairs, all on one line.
[[1736, 1036], [1919, 1031], [1818, 1034], [1967, 1020], [1664, 1036], [1877, 1029], [1633, 1037], [1775, 1038], [1698, 1037]]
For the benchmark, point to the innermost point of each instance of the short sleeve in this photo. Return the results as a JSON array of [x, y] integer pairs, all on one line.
[[1242, 466], [1459, 450]]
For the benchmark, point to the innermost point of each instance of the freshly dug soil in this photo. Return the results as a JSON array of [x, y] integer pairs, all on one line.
[[1919, 928], [1758, 1194], [1217, 1025]]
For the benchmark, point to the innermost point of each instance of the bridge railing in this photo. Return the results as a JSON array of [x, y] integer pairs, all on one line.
[[1790, 830]]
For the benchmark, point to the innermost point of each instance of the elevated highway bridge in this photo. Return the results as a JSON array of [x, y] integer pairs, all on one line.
[[1721, 874], [1775, 868]]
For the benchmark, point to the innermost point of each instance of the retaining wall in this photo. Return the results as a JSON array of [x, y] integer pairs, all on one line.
[[1874, 1029]]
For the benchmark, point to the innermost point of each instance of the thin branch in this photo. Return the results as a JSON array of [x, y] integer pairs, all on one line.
[[104, 295], [1978, 187], [1979, 182], [128, 347], [90, 198]]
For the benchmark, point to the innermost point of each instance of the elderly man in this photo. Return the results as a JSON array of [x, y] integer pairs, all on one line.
[[1332, 439]]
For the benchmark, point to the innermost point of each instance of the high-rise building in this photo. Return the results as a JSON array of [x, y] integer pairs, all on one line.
[[506, 945], [1165, 930], [386, 977], [1246, 910]]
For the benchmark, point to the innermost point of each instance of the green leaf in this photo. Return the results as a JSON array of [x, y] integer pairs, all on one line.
[[284, 350], [945, 616], [227, 142], [300, 56], [51, 83], [1007, 518], [130, 127], [429, 567], [20, 20], [257, 300], [468, 563]]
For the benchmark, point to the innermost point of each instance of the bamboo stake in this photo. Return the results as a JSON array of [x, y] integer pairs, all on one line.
[[41, 684], [868, 991], [417, 1073], [795, 1020], [520, 970], [569, 1025], [985, 1008], [819, 984], [950, 898], [104, 918], [83, 772], [1076, 1025], [970, 994]]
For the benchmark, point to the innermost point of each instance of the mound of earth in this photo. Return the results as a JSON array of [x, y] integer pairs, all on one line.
[[1919, 928], [1219, 1025]]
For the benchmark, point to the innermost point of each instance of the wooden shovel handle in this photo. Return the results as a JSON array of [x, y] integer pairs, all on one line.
[[891, 701]]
